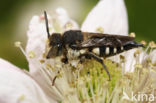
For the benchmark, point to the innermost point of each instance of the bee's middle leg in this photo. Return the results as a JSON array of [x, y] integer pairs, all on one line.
[[91, 55]]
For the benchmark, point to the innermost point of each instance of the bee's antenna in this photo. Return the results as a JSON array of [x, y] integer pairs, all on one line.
[[46, 21]]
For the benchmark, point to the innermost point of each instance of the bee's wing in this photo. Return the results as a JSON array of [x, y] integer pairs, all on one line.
[[98, 39]]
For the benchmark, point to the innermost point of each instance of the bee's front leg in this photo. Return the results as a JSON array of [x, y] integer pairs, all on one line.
[[91, 55], [55, 77], [53, 81], [65, 58]]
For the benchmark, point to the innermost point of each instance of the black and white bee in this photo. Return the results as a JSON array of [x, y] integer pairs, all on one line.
[[88, 45]]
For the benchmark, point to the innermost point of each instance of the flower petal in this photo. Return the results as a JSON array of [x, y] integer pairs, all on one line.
[[152, 55], [36, 40], [62, 21], [110, 15], [131, 60], [16, 86]]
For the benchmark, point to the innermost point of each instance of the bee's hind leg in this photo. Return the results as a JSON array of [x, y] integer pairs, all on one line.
[[91, 55]]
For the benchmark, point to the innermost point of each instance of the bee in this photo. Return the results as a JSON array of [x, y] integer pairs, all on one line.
[[88, 45]]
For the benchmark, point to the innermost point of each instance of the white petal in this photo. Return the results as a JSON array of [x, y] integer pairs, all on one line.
[[36, 39], [110, 15], [130, 61], [17, 87], [63, 22], [36, 48], [152, 55]]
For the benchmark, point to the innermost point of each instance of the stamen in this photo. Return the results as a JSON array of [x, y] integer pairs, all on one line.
[[18, 44], [152, 44], [68, 25], [100, 29], [137, 52], [132, 34], [42, 61], [31, 54], [92, 92], [122, 58], [138, 66], [143, 42], [21, 98], [48, 66]]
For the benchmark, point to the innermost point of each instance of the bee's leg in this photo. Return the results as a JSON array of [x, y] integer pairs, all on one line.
[[89, 54], [54, 79], [65, 58]]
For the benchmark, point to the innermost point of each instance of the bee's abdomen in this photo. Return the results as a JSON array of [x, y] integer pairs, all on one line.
[[109, 51], [106, 51]]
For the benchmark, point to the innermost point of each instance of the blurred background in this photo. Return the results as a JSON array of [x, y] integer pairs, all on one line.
[[16, 14]]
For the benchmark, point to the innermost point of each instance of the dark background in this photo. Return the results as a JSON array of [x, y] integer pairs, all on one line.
[[16, 14]]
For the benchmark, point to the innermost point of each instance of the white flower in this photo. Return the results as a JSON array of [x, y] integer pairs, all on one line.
[[18, 87], [108, 14], [36, 86]]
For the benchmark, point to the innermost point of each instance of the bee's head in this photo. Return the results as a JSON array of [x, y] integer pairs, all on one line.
[[55, 41]]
